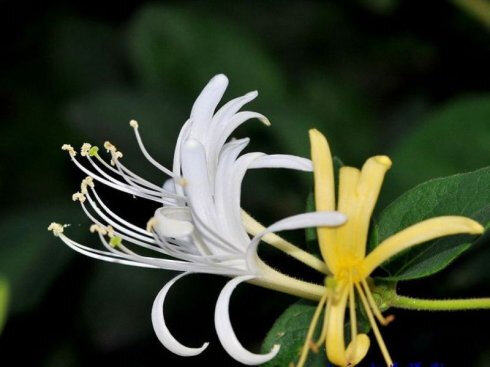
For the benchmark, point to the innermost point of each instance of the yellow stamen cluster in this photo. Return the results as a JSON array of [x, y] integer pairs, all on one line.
[[344, 251]]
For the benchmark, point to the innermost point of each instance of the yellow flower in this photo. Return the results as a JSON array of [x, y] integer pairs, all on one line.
[[344, 251]]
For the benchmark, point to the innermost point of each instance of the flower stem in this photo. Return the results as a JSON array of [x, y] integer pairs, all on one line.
[[419, 304]]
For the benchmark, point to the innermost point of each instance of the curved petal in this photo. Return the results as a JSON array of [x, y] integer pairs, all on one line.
[[197, 185], [305, 220], [335, 327], [324, 185], [225, 331], [283, 161], [416, 234], [357, 349], [223, 132], [161, 329], [205, 104]]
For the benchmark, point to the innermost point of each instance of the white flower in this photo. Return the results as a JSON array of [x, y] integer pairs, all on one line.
[[200, 224]]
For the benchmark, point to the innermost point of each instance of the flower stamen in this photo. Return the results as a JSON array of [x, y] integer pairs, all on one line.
[[377, 312], [309, 335], [377, 333]]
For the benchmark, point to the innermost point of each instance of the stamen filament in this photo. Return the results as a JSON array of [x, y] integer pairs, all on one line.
[[311, 330], [145, 152], [377, 334], [377, 312], [353, 320], [323, 335]]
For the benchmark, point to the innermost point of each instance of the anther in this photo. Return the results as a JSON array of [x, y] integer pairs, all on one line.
[[78, 196], [86, 182], [111, 148], [110, 231], [69, 149], [99, 229], [56, 228], [388, 319], [313, 346], [84, 151], [133, 124]]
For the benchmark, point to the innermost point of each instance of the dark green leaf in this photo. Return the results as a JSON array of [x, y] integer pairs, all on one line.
[[464, 194]]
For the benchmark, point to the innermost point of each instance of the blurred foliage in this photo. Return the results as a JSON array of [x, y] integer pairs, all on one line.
[[376, 76], [4, 301]]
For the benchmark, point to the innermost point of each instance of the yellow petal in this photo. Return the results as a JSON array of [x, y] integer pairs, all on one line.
[[368, 188], [416, 234], [324, 192], [357, 349], [335, 329], [348, 204]]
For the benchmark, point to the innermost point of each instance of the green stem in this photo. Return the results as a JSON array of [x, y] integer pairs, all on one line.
[[410, 303]]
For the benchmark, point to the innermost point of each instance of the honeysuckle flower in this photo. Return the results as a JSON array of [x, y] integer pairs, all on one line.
[[199, 226], [344, 251]]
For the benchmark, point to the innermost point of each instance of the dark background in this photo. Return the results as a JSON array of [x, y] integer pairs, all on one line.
[[404, 78]]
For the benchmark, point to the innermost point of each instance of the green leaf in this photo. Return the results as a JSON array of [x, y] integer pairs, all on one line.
[[181, 50], [464, 194], [289, 331], [4, 301], [451, 140], [31, 258]]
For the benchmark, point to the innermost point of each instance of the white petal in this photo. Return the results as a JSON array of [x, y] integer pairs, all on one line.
[[283, 161], [225, 331], [173, 222], [231, 108], [197, 185], [161, 329], [223, 191], [223, 132], [204, 106], [305, 220]]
